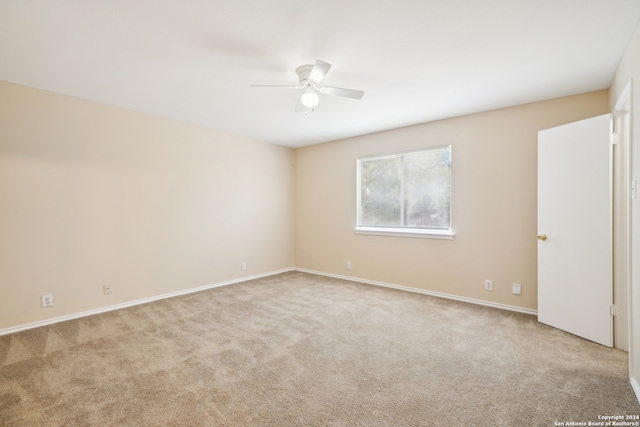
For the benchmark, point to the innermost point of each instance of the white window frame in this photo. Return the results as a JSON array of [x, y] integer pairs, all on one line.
[[429, 233]]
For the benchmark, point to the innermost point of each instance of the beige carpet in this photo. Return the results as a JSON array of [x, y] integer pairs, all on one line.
[[304, 350]]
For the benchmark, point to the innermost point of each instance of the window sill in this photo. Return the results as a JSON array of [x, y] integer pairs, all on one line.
[[401, 232]]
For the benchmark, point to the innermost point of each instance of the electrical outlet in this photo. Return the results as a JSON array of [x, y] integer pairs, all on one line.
[[488, 285], [47, 300], [106, 289], [243, 266], [348, 265]]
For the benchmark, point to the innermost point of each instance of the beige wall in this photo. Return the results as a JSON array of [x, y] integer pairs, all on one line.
[[494, 204], [93, 195], [629, 69]]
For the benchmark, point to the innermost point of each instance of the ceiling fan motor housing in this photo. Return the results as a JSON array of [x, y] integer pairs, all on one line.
[[304, 72]]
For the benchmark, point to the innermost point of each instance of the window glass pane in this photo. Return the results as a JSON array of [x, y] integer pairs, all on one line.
[[406, 190], [380, 192], [427, 189]]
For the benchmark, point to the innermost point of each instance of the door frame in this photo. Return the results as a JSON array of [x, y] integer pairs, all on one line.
[[622, 221]]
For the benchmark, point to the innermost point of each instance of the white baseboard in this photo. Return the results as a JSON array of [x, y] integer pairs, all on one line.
[[635, 386], [422, 291], [53, 320]]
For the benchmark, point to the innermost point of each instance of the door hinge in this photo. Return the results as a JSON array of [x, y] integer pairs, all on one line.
[[613, 138], [614, 310]]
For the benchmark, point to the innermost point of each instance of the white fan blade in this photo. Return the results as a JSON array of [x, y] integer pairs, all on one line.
[[283, 87], [318, 71], [338, 91]]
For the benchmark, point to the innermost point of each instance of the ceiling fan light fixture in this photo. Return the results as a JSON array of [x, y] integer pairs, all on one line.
[[310, 99]]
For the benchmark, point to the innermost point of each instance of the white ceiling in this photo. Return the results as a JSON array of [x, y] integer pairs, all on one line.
[[416, 60]]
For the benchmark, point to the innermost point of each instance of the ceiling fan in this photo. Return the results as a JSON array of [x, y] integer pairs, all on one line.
[[310, 77]]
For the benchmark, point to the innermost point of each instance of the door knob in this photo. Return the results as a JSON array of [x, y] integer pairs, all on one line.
[[542, 237]]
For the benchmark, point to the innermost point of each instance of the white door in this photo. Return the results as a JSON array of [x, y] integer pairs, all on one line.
[[574, 215]]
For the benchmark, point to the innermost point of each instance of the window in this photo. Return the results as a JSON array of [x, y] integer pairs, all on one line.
[[406, 194]]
